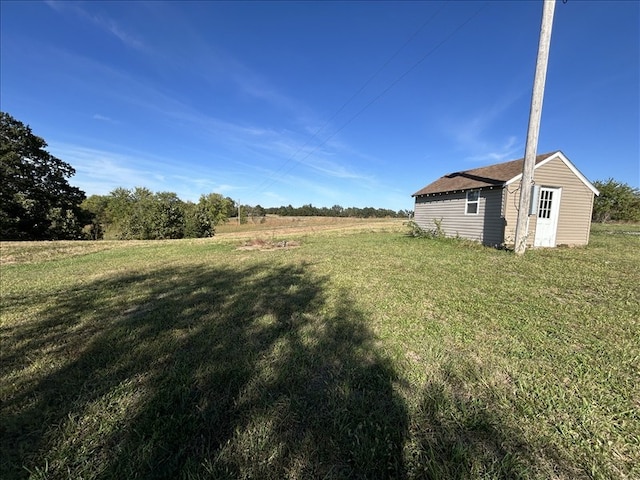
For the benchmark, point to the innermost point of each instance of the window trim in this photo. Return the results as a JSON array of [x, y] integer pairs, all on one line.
[[475, 202]]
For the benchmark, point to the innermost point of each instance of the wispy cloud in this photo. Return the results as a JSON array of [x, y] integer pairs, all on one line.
[[109, 25], [103, 118], [104, 23], [101, 171], [499, 153], [478, 137]]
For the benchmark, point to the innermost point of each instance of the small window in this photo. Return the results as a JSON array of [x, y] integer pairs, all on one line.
[[473, 199], [544, 207]]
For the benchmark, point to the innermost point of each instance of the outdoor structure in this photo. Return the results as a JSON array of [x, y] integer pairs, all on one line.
[[482, 204]]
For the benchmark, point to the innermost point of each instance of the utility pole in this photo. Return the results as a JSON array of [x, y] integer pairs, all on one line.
[[531, 147]]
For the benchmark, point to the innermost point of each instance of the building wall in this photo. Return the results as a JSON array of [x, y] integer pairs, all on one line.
[[576, 204], [486, 227]]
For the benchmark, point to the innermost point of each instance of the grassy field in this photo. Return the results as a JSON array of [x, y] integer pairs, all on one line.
[[332, 350]]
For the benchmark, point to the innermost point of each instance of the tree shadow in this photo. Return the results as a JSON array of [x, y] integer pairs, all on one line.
[[247, 372], [457, 434]]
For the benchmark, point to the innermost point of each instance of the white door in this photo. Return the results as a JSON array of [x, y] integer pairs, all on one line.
[[547, 222]]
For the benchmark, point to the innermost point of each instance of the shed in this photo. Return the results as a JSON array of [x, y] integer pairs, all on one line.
[[482, 204]]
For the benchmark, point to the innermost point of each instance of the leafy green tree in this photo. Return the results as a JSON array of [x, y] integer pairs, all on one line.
[[617, 202], [256, 213], [63, 224], [95, 216], [118, 212], [243, 211], [36, 200], [140, 214], [168, 219], [195, 225], [213, 209], [139, 225]]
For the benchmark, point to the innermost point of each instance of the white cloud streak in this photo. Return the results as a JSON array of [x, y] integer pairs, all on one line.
[[474, 135], [100, 172], [104, 23]]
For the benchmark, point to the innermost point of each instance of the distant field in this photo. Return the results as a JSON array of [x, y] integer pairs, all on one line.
[[320, 348], [275, 225]]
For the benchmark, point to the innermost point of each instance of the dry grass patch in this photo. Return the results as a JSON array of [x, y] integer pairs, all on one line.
[[277, 227], [262, 244]]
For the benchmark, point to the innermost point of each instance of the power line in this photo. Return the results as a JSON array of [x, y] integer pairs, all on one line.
[[352, 97], [377, 97]]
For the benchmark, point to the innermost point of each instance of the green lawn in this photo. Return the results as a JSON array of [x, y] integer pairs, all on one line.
[[351, 355]]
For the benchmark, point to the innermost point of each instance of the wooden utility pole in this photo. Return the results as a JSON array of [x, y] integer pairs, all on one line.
[[531, 147]]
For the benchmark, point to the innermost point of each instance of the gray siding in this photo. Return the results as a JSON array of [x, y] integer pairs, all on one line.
[[486, 227]]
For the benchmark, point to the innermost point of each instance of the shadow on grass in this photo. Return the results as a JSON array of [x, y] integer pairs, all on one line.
[[184, 372], [456, 433], [245, 372]]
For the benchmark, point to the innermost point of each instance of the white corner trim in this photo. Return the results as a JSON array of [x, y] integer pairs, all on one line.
[[568, 163]]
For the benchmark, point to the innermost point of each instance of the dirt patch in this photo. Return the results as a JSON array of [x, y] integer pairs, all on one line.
[[261, 244]]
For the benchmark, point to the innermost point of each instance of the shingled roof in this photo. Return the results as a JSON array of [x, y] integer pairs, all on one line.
[[491, 176]]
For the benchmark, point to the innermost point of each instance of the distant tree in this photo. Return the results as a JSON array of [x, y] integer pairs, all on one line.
[[285, 211], [118, 212], [337, 211], [259, 211], [368, 212], [244, 211], [95, 216], [138, 224], [139, 214], [617, 202], [168, 216], [36, 200], [306, 210], [256, 213], [213, 209], [63, 224], [195, 225]]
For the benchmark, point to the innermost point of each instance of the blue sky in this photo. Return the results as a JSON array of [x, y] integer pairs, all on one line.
[[349, 103]]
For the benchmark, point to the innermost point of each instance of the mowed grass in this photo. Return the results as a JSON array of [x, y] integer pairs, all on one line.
[[356, 354]]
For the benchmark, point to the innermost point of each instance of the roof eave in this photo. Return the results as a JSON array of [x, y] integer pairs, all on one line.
[[445, 192], [567, 162]]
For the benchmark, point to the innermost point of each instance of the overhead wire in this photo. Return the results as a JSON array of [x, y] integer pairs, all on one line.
[[351, 98], [272, 180]]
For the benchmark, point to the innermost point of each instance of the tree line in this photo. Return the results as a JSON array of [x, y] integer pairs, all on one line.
[[140, 214], [38, 203], [338, 211]]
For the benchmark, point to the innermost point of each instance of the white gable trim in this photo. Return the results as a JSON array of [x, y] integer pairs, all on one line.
[[564, 160]]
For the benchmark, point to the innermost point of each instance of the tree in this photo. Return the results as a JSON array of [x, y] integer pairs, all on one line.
[[139, 224], [617, 202], [96, 218], [117, 213], [140, 214], [168, 220], [36, 200], [213, 209], [195, 225]]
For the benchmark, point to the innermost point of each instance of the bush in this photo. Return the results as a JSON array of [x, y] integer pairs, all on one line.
[[617, 202], [417, 231]]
